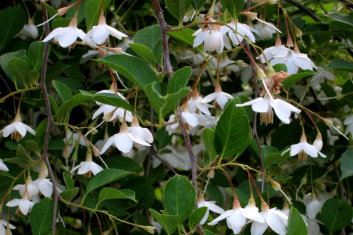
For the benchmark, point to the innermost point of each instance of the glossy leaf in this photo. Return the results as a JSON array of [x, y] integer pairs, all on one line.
[[35, 55], [208, 136], [69, 182], [296, 224], [341, 65], [151, 38], [92, 9], [179, 79], [5, 58], [62, 89], [196, 216], [197, 4], [336, 214], [293, 79], [144, 52], [347, 164], [70, 194], [184, 36], [41, 216], [178, 8], [168, 222], [112, 193], [234, 7], [20, 69], [65, 109]]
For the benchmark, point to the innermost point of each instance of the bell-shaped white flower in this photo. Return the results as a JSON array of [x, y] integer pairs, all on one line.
[[274, 52], [3, 227], [3, 167], [198, 104], [17, 129], [238, 33], [273, 218], [123, 140], [219, 96], [189, 118], [303, 148], [24, 204], [29, 188], [88, 167], [264, 105], [44, 185], [100, 33], [211, 206], [141, 132], [66, 36], [264, 29], [28, 31], [212, 38], [294, 60]]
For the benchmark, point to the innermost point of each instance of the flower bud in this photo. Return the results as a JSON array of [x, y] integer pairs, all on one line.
[[318, 142], [250, 15], [275, 185], [210, 174]]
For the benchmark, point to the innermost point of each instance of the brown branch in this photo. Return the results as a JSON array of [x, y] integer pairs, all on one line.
[[303, 8], [42, 84]]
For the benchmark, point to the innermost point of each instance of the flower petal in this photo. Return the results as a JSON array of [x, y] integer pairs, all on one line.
[[8, 130], [115, 33], [221, 217], [123, 142], [19, 126], [275, 223], [107, 144]]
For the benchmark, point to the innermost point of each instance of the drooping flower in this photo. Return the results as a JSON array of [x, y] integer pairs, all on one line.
[[123, 140], [43, 184], [72, 140], [276, 51], [238, 33], [264, 105], [100, 33], [189, 118], [4, 225], [212, 38], [24, 204], [17, 129], [141, 132], [303, 148], [211, 206], [88, 167], [30, 188], [273, 218], [264, 29], [219, 96], [66, 36], [3, 167], [198, 104], [29, 30]]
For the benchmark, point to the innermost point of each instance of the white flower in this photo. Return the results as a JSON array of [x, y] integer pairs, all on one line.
[[294, 61], [123, 141], [314, 204], [219, 96], [274, 52], [265, 31], [242, 30], [3, 167], [100, 33], [45, 186], [143, 133], [3, 224], [86, 167], [265, 104], [29, 188], [197, 103], [304, 149], [212, 38], [29, 30], [236, 218], [273, 218], [66, 36], [349, 123], [189, 118], [23, 204], [206, 120], [211, 206], [17, 129]]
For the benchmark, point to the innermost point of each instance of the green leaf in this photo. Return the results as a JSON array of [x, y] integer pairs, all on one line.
[[179, 79], [232, 134], [63, 90], [133, 68], [294, 78], [144, 52], [12, 20], [168, 222], [112, 193], [70, 194], [347, 164], [184, 36], [179, 197], [20, 69], [164, 104], [234, 7], [69, 182], [151, 37], [345, 19], [196, 216], [336, 214], [178, 8], [5, 58], [92, 9], [197, 4], [341, 65], [105, 177], [280, 67], [296, 224], [208, 136], [35, 55], [60, 22], [66, 107], [41, 217]]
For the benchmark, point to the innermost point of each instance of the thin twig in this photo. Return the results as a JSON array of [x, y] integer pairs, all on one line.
[[42, 84], [303, 8]]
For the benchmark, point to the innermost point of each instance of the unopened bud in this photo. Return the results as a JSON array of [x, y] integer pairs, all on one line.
[[289, 41], [63, 10], [327, 121], [261, 75], [275, 185], [271, 2], [318, 142], [298, 32], [250, 15], [210, 174], [95, 150]]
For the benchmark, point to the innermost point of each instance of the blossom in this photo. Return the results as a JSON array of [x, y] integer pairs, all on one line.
[[236, 217], [3, 224], [72, 140], [124, 140], [23, 204], [273, 52], [265, 104], [273, 218], [211, 206], [3, 167], [29, 30], [212, 38], [265, 30], [143, 133], [86, 167], [17, 129], [219, 96], [29, 188], [294, 60], [197, 103], [100, 33], [303, 149], [43, 184], [189, 118], [242, 30], [66, 36]]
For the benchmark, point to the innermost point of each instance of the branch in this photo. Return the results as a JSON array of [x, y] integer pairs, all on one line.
[[42, 84], [303, 8]]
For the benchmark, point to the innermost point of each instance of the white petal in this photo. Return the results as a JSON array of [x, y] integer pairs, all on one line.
[[204, 219], [210, 97], [275, 223], [258, 228], [19, 126], [252, 213], [322, 155], [199, 37], [107, 144], [25, 206], [8, 130], [67, 37], [80, 34], [138, 140], [29, 129], [213, 207], [221, 217], [296, 148], [115, 33], [236, 221], [95, 168], [99, 34], [3, 167], [45, 187], [84, 168], [190, 119], [13, 202], [123, 142], [54, 33], [310, 150]]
